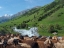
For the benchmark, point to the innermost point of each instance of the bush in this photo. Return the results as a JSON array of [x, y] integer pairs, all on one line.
[[57, 26], [52, 29], [24, 25]]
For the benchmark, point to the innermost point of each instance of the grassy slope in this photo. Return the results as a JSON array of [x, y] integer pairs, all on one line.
[[52, 19]]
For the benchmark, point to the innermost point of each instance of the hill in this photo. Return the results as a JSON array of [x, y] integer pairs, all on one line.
[[48, 19]]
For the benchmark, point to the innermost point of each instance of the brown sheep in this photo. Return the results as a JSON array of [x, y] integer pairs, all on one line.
[[32, 43], [41, 44]]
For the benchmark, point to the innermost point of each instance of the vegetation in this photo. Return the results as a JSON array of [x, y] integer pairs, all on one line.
[[48, 19]]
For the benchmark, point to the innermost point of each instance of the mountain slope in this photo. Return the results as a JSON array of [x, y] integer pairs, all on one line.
[[7, 17], [42, 17]]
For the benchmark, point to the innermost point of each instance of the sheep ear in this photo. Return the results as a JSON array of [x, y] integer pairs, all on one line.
[[49, 42]]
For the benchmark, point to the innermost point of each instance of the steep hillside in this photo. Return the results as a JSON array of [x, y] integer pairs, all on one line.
[[48, 19]]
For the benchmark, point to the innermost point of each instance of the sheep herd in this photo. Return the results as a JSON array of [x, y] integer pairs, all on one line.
[[19, 41]]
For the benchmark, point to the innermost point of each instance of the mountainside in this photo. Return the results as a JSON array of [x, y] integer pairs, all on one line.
[[48, 19], [7, 17]]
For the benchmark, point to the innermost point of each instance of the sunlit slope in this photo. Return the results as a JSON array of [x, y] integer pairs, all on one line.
[[56, 18]]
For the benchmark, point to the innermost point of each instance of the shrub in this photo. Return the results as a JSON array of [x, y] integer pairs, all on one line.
[[52, 29]]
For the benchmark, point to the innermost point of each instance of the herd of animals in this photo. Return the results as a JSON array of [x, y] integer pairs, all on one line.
[[19, 41]]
